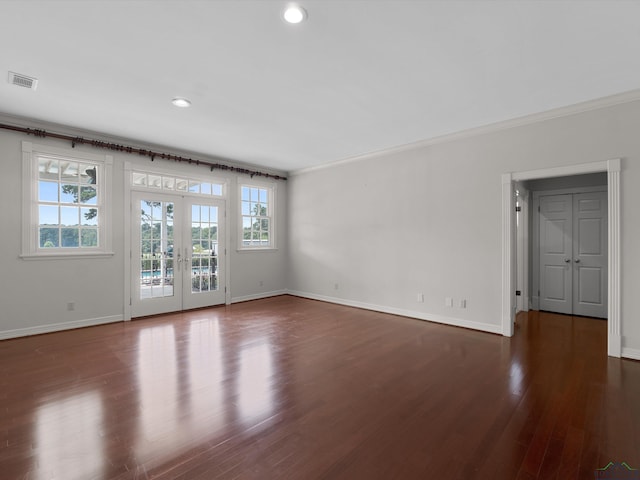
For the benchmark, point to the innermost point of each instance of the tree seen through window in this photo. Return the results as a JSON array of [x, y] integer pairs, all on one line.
[[68, 207]]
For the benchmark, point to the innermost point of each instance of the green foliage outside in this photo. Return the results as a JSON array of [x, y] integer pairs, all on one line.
[[157, 246], [259, 229], [86, 194], [53, 237]]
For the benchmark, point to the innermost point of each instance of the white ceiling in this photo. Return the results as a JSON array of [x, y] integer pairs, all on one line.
[[356, 77]]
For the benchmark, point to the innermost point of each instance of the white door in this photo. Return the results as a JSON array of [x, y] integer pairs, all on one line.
[[204, 253], [176, 253], [573, 254]]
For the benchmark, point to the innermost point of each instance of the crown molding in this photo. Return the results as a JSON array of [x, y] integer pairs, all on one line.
[[596, 104]]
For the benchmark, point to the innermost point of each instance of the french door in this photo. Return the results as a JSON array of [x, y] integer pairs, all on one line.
[[573, 254], [178, 253]]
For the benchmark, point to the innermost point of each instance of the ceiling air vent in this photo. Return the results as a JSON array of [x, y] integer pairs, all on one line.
[[22, 80]]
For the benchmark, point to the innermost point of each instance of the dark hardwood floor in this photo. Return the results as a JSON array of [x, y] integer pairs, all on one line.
[[297, 389]]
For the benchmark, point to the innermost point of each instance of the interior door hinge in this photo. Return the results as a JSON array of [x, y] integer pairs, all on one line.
[[518, 293], [518, 208]]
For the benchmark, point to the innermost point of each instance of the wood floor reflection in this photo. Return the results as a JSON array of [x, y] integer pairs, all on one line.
[[288, 388]]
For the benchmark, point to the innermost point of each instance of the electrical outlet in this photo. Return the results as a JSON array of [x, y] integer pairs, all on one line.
[[71, 306], [336, 286], [463, 303], [448, 302], [261, 283], [420, 298]]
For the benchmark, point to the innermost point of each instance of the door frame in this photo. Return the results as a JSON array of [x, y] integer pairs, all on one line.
[[128, 168], [523, 302], [182, 297], [612, 168]]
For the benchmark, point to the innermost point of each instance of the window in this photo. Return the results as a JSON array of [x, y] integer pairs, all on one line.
[[65, 209], [176, 184], [256, 205]]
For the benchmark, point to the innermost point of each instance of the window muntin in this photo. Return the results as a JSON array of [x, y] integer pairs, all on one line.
[[68, 205], [176, 184], [205, 248], [256, 206]]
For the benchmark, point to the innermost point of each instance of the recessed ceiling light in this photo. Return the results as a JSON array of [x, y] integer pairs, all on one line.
[[294, 14], [181, 102]]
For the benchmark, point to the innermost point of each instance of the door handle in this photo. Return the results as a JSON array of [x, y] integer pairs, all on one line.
[[187, 260], [567, 260], [577, 260]]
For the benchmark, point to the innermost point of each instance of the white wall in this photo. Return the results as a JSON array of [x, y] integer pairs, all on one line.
[[428, 219], [424, 219], [34, 293]]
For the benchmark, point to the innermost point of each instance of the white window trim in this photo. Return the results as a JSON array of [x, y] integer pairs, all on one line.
[[271, 189], [30, 249]]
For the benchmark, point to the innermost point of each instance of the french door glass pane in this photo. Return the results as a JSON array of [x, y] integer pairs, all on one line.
[[204, 244], [156, 249]]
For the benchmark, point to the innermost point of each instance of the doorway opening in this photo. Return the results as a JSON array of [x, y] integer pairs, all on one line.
[[568, 245], [177, 236], [512, 278], [178, 244]]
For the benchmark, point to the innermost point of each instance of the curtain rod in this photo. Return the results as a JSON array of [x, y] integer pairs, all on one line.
[[140, 151]]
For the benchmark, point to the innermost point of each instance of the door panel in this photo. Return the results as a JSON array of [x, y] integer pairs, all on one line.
[[590, 254], [555, 278], [589, 290], [589, 232], [555, 236], [555, 253]]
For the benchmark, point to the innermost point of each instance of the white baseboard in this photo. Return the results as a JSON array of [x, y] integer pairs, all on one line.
[[632, 353], [258, 296], [57, 327], [456, 322], [614, 344]]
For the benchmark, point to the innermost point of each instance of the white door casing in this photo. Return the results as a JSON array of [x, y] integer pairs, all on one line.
[[613, 169], [522, 248]]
